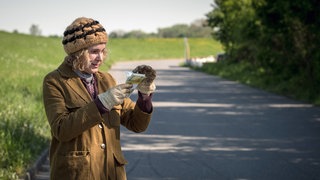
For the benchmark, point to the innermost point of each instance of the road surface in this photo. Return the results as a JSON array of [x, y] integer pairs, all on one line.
[[205, 127]]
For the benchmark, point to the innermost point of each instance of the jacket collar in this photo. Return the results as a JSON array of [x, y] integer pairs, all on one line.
[[74, 82]]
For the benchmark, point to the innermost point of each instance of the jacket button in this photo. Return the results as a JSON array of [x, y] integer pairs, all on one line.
[[103, 146], [100, 126]]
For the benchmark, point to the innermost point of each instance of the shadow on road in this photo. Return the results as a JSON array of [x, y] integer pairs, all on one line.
[[205, 127]]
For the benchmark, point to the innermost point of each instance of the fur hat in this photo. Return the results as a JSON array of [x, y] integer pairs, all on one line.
[[83, 33]]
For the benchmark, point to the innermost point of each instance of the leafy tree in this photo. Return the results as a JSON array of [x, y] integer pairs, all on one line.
[[279, 37], [117, 34], [292, 30], [178, 30], [135, 34], [35, 30], [236, 27], [199, 28]]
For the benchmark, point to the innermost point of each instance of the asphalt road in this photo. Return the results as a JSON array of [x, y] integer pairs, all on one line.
[[205, 127]]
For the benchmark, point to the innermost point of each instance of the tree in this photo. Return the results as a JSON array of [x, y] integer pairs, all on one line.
[[293, 40], [117, 34], [135, 34], [35, 30], [281, 37], [15, 31], [199, 28], [178, 30], [237, 27]]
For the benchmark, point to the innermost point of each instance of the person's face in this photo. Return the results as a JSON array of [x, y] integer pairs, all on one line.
[[96, 57]]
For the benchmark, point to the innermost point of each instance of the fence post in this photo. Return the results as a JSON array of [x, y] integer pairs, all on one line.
[[186, 49]]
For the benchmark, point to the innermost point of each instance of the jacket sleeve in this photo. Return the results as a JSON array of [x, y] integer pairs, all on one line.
[[67, 120], [133, 118]]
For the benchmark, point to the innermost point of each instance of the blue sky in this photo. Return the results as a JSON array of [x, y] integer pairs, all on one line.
[[52, 17]]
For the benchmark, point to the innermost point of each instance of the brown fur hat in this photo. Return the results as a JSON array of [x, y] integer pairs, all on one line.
[[83, 33]]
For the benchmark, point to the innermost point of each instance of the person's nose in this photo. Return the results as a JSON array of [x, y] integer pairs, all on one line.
[[100, 56]]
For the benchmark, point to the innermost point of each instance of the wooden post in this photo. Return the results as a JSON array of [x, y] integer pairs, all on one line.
[[186, 49]]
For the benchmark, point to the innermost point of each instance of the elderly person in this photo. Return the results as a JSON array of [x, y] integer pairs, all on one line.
[[85, 108]]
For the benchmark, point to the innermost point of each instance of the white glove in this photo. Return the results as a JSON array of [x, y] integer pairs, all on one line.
[[147, 85], [146, 88], [115, 95]]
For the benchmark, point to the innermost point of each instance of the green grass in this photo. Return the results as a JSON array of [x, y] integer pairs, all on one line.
[[25, 60], [23, 129], [246, 73], [155, 48]]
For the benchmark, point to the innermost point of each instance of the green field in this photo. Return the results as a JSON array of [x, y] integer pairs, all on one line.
[[25, 60]]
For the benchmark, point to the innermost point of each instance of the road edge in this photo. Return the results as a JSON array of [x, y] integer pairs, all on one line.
[[32, 171]]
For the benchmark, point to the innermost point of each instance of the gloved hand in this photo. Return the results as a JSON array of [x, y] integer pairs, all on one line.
[[115, 96], [147, 86]]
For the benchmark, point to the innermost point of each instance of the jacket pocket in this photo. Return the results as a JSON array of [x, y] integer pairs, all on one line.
[[120, 159], [73, 165], [73, 105]]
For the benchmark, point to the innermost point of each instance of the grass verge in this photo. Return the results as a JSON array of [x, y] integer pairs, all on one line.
[[258, 77]]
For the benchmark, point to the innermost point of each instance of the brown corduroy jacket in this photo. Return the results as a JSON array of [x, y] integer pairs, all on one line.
[[86, 144]]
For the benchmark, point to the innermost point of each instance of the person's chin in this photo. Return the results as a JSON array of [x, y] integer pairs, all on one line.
[[94, 70]]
